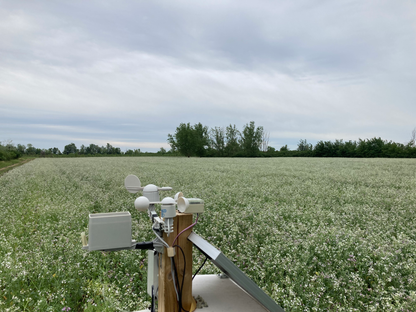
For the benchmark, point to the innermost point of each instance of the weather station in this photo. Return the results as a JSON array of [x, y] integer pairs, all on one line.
[[169, 277]]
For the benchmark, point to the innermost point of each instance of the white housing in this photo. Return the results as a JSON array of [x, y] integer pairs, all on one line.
[[151, 191], [168, 212], [109, 231], [168, 209], [190, 205]]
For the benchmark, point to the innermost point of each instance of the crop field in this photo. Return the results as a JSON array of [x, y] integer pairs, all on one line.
[[315, 234]]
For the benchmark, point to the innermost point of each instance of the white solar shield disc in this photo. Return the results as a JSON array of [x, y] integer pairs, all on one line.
[[132, 183]]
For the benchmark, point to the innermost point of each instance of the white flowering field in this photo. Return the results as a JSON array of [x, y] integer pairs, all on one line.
[[315, 234]]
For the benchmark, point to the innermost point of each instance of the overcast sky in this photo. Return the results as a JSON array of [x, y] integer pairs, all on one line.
[[129, 72]]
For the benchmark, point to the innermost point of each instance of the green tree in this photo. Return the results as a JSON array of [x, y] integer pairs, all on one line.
[[56, 151], [183, 140], [9, 151], [83, 149], [30, 150], [217, 138], [161, 151], [201, 139], [324, 149], [70, 149], [109, 149], [93, 149], [232, 146], [21, 148], [304, 146], [190, 140], [349, 149], [251, 139]]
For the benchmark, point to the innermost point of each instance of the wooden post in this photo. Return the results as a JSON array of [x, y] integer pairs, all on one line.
[[166, 296], [184, 220], [167, 301]]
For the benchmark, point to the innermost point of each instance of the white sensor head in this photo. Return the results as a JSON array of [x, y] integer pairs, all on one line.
[[141, 203], [151, 191]]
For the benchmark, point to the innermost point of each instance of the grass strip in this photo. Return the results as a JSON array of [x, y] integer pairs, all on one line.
[[6, 166]]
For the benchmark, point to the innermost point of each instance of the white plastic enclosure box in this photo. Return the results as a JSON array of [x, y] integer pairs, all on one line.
[[109, 231]]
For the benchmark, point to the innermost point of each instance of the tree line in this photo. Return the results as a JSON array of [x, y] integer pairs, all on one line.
[[252, 141], [9, 151], [198, 140], [370, 148]]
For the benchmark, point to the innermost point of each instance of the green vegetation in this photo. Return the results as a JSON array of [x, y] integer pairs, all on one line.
[[5, 166], [8, 163], [199, 140], [71, 150], [254, 142], [316, 234], [371, 148], [190, 140], [8, 152]]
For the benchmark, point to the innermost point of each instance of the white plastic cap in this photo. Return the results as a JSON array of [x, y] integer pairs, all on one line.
[[150, 188], [141, 203], [183, 204], [168, 201]]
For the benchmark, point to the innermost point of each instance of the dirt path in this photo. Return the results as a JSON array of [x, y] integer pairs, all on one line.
[[18, 164]]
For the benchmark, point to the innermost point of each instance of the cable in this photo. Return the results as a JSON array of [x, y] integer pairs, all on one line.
[[176, 274], [189, 227], [172, 269], [160, 238], [183, 279], [173, 266], [197, 271], [152, 307]]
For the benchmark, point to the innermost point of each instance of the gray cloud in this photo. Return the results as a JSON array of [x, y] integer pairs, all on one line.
[[130, 72]]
